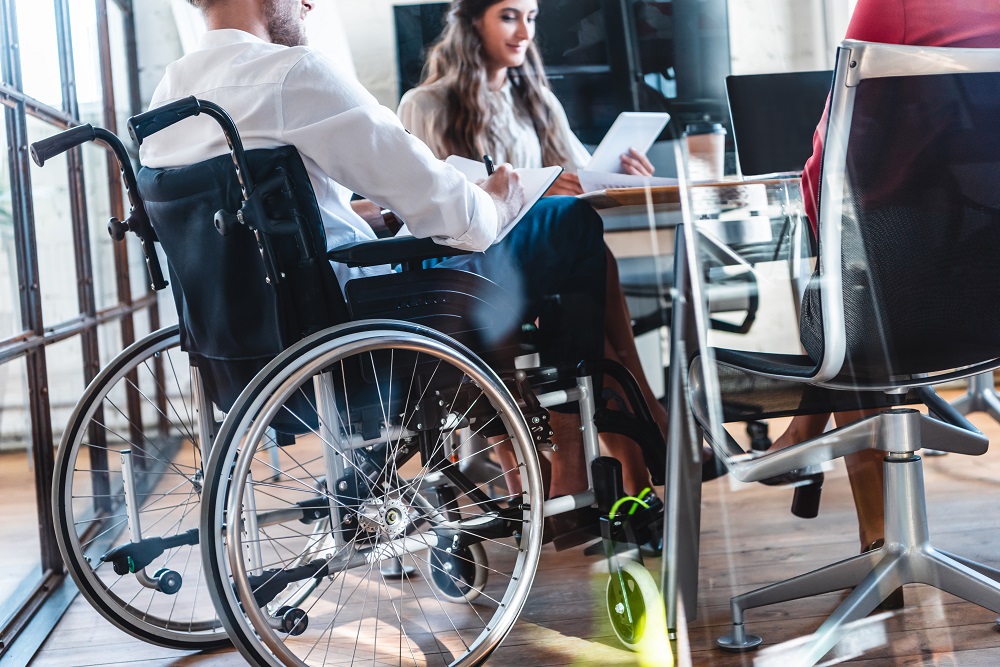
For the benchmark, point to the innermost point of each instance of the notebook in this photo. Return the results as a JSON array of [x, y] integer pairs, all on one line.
[[535, 182]]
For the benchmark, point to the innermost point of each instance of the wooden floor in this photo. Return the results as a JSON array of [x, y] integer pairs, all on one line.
[[749, 539]]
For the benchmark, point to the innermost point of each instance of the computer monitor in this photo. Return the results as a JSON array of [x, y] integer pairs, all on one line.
[[774, 117]]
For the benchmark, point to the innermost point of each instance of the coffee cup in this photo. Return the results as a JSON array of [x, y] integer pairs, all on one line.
[[706, 144]]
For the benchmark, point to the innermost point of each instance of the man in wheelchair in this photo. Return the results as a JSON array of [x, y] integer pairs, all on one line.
[[253, 63], [361, 404]]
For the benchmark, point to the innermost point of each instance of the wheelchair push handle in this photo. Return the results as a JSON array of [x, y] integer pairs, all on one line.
[[62, 142], [145, 124], [137, 220], [160, 118]]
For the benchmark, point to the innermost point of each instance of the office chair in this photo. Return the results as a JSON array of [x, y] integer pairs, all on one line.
[[980, 396], [909, 240]]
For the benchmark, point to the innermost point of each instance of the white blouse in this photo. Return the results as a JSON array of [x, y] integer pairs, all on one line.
[[423, 112]]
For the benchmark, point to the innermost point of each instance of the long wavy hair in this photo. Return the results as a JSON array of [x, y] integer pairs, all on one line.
[[458, 61]]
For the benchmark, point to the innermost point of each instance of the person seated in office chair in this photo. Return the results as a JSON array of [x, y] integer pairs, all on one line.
[[952, 23], [253, 63], [484, 91]]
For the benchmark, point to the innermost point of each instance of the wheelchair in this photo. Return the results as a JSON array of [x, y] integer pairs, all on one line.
[[335, 514]]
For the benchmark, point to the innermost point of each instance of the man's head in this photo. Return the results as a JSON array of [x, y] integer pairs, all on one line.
[[281, 21]]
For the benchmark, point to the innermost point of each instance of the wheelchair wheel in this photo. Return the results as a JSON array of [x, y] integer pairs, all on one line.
[[131, 455], [635, 606], [296, 563]]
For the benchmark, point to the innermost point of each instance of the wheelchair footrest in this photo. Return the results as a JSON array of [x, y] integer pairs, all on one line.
[[135, 556]]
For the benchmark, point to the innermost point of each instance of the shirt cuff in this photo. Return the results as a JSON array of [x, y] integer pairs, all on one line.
[[482, 231]]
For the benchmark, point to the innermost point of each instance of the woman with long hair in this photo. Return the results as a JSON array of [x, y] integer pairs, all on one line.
[[485, 92]]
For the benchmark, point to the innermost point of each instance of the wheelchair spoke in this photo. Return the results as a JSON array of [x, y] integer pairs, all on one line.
[[373, 487]]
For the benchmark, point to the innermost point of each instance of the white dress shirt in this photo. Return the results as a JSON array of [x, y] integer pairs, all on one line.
[[349, 143], [424, 111]]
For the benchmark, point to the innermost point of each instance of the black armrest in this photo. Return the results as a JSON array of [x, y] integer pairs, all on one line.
[[397, 250]]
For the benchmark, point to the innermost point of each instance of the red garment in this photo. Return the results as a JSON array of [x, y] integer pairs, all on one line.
[[958, 23]]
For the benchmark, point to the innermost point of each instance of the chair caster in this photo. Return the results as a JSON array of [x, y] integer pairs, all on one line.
[[635, 607], [168, 581], [739, 641], [459, 573], [293, 620]]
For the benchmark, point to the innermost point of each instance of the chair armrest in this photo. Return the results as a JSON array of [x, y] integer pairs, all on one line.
[[396, 250]]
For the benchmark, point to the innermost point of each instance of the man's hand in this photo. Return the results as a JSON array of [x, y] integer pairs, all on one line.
[[507, 192], [566, 184], [636, 163]]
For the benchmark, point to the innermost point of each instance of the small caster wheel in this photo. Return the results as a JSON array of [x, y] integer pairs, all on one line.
[[635, 607], [294, 621], [459, 573], [168, 581]]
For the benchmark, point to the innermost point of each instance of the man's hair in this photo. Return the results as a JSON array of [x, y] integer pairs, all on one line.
[[201, 4]]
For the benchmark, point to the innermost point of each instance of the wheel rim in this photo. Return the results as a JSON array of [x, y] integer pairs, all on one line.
[[149, 380], [395, 614]]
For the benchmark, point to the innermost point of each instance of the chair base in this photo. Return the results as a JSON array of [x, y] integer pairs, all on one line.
[[981, 396], [906, 558]]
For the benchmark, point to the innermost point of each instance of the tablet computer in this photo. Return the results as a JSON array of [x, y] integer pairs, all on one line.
[[632, 129]]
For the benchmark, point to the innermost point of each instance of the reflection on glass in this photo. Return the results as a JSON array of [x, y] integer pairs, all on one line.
[[53, 233], [10, 309], [36, 28], [21, 565], [86, 61]]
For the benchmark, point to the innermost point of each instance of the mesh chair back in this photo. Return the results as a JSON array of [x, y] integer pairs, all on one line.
[[916, 245], [232, 321]]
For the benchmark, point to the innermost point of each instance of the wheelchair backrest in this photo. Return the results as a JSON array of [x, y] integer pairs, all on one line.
[[233, 320]]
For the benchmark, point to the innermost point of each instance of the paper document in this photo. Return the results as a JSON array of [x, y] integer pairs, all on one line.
[[632, 129], [594, 181], [535, 182]]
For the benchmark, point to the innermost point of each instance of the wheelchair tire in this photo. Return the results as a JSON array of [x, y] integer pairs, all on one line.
[[635, 607], [365, 470], [140, 402]]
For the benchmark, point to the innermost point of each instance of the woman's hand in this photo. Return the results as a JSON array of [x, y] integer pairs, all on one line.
[[636, 163], [566, 184]]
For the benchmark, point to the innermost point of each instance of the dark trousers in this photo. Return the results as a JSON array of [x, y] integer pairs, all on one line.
[[556, 249]]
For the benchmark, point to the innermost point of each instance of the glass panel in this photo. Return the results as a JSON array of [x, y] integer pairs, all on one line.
[[36, 28], [64, 361], [21, 565], [109, 341], [95, 174], [10, 309], [119, 65], [87, 62], [53, 232]]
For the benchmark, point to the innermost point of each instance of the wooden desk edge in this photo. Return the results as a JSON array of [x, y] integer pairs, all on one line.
[[660, 194]]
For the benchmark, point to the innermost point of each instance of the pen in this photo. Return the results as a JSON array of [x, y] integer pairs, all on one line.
[[489, 164]]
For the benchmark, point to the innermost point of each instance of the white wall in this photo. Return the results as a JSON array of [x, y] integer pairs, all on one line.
[[785, 35]]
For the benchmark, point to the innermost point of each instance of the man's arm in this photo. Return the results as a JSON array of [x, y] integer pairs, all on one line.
[[361, 145]]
